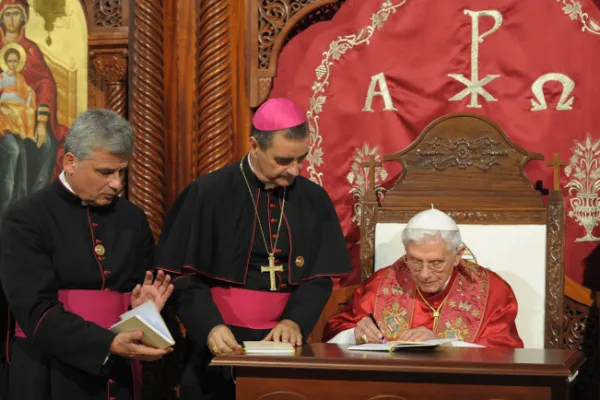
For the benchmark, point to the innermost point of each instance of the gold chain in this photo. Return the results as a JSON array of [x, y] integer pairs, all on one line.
[[270, 253], [436, 313]]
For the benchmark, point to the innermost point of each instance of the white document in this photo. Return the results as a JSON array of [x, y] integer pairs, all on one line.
[[393, 346], [147, 319]]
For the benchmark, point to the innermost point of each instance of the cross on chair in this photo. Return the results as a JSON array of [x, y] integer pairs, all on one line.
[[271, 269], [371, 164], [556, 163]]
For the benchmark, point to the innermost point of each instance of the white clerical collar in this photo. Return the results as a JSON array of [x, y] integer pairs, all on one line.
[[63, 180], [267, 185]]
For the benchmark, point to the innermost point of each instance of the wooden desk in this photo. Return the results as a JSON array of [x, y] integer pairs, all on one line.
[[327, 371]]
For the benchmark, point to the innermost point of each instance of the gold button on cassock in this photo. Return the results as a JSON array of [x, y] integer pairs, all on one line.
[[299, 261], [100, 250]]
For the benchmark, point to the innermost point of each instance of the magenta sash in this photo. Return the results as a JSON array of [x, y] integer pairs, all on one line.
[[249, 308], [101, 307]]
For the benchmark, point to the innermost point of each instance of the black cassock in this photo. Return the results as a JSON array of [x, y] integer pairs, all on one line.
[[213, 239], [49, 244]]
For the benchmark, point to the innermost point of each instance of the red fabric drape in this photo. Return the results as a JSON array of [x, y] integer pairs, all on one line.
[[415, 46]]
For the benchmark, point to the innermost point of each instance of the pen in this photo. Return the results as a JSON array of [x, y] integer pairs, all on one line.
[[377, 325]]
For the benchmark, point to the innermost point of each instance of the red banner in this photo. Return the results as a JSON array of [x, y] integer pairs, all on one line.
[[380, 71]]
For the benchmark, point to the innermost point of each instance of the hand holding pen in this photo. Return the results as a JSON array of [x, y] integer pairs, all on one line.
[[367, 331]]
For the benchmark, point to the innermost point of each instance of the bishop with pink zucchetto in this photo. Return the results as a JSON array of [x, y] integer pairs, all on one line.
[[255, 246]]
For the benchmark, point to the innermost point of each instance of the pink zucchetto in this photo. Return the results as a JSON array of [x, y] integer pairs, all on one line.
[[278, 113]]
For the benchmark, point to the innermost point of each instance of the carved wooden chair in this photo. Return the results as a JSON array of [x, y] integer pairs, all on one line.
[[466, 166]]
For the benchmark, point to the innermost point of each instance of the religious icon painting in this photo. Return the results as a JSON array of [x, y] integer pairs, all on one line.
[[43, 86]]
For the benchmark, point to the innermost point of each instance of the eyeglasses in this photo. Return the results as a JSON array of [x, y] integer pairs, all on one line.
[[433, 266]]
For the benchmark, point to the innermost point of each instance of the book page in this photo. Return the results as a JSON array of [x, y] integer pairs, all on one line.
[[149, 314]]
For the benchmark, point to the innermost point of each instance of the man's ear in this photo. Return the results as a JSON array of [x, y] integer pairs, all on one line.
[[459, 253], [69, 163], [254, 145]]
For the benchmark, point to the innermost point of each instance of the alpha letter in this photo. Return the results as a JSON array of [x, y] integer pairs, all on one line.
[[383, 91]]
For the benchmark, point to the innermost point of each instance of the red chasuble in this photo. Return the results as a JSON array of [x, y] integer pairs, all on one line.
[[477, 306]]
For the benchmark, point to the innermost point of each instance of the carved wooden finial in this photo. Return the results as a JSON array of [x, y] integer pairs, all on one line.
[[556, 163]]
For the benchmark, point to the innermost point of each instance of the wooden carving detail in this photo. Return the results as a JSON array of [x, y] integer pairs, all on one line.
[[264, 87], [367, 240], [147, 187], [581, 333], [111, 66], [321, 14], [272, 17], [213, 145], [441, 153], [575, 318], [107, 13], [554, 270]]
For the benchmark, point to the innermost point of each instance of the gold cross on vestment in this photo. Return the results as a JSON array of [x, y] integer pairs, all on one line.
[[271, 269], [556, 163]]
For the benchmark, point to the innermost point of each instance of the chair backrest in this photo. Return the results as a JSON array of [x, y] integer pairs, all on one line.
[[465, 165]]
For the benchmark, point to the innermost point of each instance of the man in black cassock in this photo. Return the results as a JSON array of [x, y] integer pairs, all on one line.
[[255, 245], [70, 253]]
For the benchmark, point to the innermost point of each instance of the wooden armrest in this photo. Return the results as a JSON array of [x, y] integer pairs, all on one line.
[[578, 293]]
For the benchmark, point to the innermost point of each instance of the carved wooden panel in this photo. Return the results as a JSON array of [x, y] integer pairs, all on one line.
[[147, 185], [581, 332], [321, 14], [213, 141], [111, 67], [107, 13], [555, 261], [272, 17], [472, 165], [270, 22]]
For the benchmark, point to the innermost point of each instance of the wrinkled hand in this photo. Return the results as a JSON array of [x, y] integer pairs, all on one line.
[[286, 331], [157, 290], [41, 133], [221, 340], [417, 335], [128, 344], [366, 327]]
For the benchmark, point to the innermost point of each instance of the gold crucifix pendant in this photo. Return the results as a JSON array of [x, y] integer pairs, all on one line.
[[271, 269]]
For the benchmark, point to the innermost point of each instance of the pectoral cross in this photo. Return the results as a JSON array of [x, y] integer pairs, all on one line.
[[271, 269], [556, 163]]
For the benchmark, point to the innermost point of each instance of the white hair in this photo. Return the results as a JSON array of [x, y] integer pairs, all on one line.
[[452, 239]]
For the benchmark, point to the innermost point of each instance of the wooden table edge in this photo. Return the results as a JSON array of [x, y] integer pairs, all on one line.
[[566, 370]]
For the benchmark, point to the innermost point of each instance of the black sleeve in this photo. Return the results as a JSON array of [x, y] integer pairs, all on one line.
[[28, 280], [307, 302], [145, 259], [195, 308], [192, 299]]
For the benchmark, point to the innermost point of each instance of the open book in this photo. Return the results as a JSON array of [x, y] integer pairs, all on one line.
[[268, 348], [147, 319], [393, 346]]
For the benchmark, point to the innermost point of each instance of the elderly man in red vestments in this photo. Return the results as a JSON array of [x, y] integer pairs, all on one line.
[[430, 293]]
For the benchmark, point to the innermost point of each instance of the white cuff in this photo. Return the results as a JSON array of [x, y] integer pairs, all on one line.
[[344, 337]]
